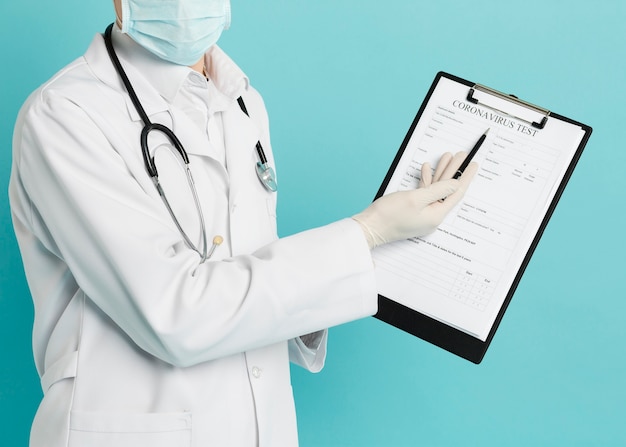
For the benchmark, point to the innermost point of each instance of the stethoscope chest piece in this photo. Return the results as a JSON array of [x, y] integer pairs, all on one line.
[[267, 176]]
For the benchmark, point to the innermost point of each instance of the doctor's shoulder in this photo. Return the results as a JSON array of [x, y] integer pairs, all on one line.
[[69, 122], [73, 83]]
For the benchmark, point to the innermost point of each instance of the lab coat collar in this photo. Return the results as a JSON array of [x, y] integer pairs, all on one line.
[[157, 82], [229, 79]]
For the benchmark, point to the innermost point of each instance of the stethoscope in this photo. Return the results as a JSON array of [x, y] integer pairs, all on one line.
[[263, 169]]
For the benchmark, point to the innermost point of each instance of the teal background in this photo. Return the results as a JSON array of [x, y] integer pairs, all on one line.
[[342, 80]]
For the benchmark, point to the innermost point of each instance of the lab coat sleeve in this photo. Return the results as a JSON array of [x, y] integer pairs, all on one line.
[[117, 240]]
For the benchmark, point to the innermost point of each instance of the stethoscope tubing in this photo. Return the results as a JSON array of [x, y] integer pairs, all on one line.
[[264, 171], [149, 160]]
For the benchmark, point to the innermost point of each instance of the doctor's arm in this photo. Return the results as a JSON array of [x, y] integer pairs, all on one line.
[[89, 203], [97, 210]]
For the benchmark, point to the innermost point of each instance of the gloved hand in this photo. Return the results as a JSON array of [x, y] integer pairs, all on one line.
[[405, 214]]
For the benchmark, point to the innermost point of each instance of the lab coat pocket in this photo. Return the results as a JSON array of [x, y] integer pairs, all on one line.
[[96, 429]]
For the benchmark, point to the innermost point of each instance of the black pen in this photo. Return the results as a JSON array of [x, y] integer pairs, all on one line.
[[469, 157]]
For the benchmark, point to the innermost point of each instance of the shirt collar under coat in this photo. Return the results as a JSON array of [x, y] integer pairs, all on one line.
[[156, 81]]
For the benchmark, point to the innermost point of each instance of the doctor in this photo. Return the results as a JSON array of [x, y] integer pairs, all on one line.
[[169, 327]]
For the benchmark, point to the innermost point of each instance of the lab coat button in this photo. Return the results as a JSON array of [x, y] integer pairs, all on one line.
[[256, 372]]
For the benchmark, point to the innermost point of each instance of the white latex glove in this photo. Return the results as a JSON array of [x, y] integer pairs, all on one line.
[[405, 214]]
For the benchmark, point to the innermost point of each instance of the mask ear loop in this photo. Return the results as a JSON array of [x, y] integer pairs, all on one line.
[[118, 20], [125, 11]]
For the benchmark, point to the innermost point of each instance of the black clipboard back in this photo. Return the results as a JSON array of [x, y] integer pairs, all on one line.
[[429, 329]]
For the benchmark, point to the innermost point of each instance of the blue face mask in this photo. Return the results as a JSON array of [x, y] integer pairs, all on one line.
[[179, 31]]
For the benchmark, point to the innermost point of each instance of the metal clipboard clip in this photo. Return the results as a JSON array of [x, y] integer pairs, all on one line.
[[524, 111]]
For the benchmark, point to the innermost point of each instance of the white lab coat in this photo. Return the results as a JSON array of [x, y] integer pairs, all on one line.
[[137, 344]]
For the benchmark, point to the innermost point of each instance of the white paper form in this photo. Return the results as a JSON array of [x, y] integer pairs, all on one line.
[[462, 273]]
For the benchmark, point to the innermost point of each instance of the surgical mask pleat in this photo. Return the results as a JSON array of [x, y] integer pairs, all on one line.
[[177, 31]]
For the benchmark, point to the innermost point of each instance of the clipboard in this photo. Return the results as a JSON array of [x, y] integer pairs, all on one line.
[[516, 124]]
